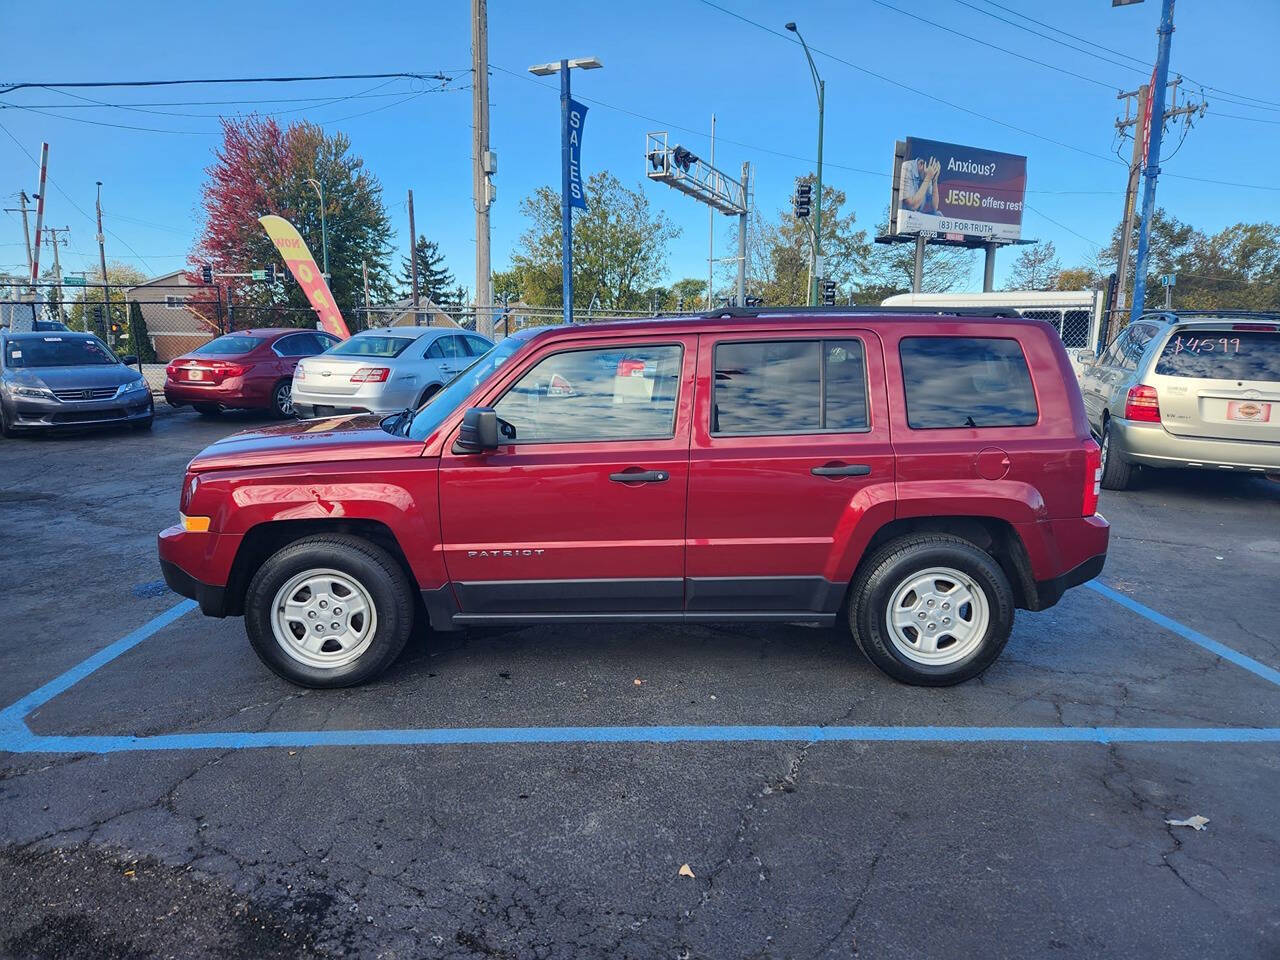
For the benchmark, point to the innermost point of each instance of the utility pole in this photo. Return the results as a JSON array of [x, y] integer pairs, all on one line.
[[1140, 124], [26, 231], [57, 264], [102, 259], [742, 234], [482, 163], [365, 266], [711, 222], [1165, 33], [413, 262]]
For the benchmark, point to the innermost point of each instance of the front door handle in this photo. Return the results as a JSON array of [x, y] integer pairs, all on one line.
[[640, 476], [842, 470]]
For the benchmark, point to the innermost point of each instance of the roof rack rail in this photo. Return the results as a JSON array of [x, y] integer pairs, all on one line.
[[731, 313], [1271, 314]]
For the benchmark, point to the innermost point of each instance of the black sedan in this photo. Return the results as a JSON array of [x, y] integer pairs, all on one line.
[[63, 379]]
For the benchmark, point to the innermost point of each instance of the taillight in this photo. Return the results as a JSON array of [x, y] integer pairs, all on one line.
[[299, 372], [371, 375], [171, 371], [1092, 479], [1142, 404]]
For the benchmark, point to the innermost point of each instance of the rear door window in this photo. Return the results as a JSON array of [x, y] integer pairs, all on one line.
[[966, 382], [446, 347], [1221, 355], [782, 387], [297, 345]]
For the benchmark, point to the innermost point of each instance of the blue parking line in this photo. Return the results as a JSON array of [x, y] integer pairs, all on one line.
[[1173, 626], [658, 734], [16, 737]]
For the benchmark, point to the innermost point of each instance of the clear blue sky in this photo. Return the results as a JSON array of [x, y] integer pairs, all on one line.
[[674, 62]]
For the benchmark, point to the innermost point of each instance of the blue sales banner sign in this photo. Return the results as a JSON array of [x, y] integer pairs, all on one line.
[[576, 118]]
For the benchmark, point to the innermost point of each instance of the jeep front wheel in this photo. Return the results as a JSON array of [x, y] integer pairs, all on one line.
[[931, 610], [329, 611]]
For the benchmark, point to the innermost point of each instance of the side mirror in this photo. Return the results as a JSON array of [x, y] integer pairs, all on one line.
[[479, 431], [129, 360]]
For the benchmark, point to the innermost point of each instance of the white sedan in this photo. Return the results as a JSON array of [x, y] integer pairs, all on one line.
[[384, 370]]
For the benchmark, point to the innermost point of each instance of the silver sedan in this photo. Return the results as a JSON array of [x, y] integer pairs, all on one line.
[[383, 370]]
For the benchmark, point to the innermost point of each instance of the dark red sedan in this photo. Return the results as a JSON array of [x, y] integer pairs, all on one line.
[[249, 369]]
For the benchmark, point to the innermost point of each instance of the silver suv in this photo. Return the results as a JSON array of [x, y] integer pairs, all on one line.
[[1187, 389]]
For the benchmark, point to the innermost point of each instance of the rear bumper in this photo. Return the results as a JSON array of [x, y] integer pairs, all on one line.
[[1150, 444], [230, 393], [310, 411], [1050, 592], [385, 398]]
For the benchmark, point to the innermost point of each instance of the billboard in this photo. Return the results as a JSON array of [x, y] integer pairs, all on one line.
[[962, 191]]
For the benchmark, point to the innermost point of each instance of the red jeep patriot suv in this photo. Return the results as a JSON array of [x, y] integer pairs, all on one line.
[[916, 476]]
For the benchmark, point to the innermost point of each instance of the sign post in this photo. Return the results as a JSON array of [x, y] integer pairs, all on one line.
[[1167, 281]]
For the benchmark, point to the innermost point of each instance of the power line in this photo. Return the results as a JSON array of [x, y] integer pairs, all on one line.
[[53, 85], [1142, 66], [1005, 50], [915, 90]]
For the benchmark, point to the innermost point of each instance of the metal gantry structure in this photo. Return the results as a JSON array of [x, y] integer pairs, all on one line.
[[685, 171]]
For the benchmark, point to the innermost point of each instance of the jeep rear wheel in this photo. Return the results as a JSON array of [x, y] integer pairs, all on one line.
[[931, 609], [329, 611]]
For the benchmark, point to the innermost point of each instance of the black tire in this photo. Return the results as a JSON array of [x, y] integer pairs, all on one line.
[[143, 425], [207, 409], [282, 400], [1117, 472], [372, 567], [428, 393], [5, 429], [881, 574]]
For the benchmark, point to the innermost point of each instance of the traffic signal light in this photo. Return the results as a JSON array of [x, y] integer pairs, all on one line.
[[829, 292], [753, 301], [115, 329], [97, 313], [206, 273], [684, 158], [800, 202]]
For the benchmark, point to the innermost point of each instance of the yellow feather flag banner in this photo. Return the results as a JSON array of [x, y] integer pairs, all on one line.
[[303, 267]]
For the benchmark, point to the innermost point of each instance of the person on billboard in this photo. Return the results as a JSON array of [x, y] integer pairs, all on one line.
[[919, 185]]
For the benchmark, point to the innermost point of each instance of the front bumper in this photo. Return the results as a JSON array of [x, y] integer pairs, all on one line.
[[31, 413], [198, 566], [1151, 445]]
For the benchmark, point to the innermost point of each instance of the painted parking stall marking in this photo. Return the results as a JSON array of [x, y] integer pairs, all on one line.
[[16, 737]]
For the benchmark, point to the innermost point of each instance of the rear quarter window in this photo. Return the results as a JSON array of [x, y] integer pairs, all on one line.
[[1221, 355], [966, 382]]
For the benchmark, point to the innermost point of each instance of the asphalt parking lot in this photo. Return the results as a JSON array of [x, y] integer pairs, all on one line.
[[535, 792]]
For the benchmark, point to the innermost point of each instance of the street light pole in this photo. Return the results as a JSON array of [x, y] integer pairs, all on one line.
[[324, 230], [820, 88], [563, 67]]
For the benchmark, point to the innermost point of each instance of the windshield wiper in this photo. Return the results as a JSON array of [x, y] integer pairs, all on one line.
[[403, 418]]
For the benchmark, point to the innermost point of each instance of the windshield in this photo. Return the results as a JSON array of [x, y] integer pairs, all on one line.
[[432, 414], [229, 345], [376, 346], [57, 352], [1226, 354]]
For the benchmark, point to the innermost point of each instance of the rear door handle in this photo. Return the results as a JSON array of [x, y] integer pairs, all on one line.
[[842, 470], [640, 476]]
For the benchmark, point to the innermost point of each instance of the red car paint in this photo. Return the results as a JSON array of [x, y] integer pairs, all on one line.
[[243, 379], [476, 530]]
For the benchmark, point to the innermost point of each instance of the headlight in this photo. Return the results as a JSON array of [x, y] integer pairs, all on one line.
[[132, 387], [39, 393]]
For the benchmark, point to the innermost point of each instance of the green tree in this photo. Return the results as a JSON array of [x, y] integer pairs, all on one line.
[[778, 253], [139, 342], [890, 267], [434, 278], [1035, 268], [619, 248], [120, 276], [687, 294]]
